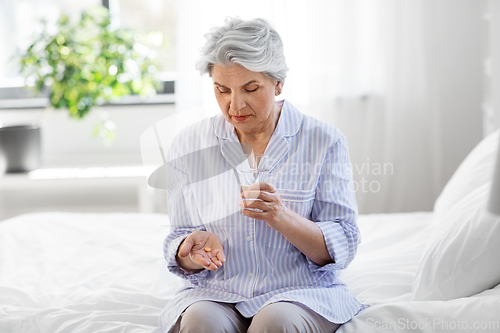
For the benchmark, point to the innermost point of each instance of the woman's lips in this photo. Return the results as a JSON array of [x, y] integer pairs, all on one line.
[[241, 118]]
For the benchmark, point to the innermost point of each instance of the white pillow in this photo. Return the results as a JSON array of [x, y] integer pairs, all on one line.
[[463, 254], [475, 171]]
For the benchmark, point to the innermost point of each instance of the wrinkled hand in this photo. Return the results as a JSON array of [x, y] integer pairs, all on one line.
[[272, 209], [193, 247]]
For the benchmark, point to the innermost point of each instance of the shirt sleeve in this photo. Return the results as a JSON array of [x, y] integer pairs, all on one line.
[[335, 210], [182, 221]]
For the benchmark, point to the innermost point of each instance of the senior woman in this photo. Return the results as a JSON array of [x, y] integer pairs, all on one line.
[[274, 267]]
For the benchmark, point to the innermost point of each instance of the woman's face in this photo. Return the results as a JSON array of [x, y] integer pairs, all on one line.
[[246, 98]]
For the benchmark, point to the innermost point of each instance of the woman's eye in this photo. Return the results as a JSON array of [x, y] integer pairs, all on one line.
[[222, 91], [252, 90]]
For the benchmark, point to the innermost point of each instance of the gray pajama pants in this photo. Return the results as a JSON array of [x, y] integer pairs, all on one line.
[[214, 317]]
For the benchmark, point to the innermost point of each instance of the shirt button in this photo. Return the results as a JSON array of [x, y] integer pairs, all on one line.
[[250, 274], [249, 238]]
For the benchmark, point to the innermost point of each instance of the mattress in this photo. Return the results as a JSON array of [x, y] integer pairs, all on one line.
[[87, 272]]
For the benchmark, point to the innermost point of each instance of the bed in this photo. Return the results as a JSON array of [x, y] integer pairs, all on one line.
[[421, 272]]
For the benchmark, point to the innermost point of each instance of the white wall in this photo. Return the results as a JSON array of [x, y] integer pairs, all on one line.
[[67, 142], [494, 53], [460, 65]]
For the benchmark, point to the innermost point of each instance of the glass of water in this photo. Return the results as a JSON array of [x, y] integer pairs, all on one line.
[[254, 169]]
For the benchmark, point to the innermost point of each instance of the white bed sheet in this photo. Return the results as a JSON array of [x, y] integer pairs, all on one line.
[[67, 272], [382, 274], [64, 272], [388, 256]]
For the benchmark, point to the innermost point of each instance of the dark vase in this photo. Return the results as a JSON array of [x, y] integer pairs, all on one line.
[[20, 148]]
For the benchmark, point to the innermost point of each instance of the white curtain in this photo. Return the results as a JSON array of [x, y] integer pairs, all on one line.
[[369, 67]]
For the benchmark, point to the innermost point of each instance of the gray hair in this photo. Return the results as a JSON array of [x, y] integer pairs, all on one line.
[[253, 44]]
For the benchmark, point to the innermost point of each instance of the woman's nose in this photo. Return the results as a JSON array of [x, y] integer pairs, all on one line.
[[237, 102]]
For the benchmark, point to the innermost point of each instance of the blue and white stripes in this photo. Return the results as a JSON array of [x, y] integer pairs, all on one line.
[[312, 171]]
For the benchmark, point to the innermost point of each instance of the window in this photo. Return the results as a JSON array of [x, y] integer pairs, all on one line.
[[20, 21], [144, 16]]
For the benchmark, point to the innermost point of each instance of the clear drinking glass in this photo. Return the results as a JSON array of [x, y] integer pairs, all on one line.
[[253, 169]]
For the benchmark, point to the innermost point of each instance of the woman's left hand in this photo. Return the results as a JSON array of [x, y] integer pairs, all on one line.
[[269, 202]]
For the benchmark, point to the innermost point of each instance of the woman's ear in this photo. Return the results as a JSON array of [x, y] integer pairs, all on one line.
[[278, 88]]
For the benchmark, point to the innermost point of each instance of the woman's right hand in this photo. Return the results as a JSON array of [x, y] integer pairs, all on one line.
[[192, 255]]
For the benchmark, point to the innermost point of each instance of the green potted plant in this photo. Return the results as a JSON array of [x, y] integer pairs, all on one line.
[[88, 63]]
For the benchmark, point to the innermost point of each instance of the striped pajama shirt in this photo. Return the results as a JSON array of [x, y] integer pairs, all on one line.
[[310, 167]]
